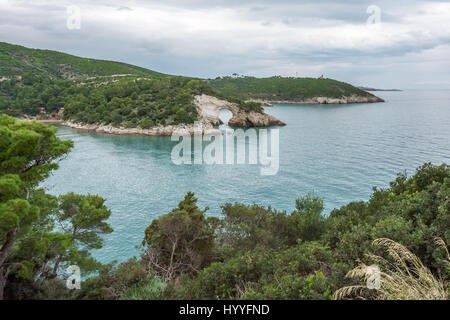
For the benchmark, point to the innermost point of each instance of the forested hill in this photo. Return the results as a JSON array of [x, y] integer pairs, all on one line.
[[285, 88], [47, 84], [16, 60]]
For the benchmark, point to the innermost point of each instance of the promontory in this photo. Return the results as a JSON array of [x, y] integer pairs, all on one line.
[[119, 98]]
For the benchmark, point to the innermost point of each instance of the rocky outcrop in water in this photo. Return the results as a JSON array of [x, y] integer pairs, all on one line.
[[208, 108]]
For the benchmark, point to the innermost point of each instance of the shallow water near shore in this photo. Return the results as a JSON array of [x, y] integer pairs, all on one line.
[[339, 152]]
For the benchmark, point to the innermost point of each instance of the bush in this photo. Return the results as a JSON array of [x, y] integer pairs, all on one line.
[[256, 252]]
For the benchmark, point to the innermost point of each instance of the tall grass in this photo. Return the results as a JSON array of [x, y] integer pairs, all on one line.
[[151, 289], [402, 276]]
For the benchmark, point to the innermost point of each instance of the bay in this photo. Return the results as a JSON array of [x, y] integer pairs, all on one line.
[[339, 152]]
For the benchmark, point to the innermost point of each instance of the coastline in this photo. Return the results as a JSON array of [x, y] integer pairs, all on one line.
[[49, 121], [208, 108], [323, 100], [162, 131]]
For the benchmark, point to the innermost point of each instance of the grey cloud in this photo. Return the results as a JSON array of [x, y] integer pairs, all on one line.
[[123, 8], [207, 54]]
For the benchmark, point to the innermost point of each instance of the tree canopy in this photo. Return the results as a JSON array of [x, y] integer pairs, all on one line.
[[283, 88], [38, 231]]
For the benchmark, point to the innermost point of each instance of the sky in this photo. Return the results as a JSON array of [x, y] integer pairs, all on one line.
[[383, 44]]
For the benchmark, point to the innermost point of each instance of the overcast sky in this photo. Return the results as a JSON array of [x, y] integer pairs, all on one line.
[[408, 47]]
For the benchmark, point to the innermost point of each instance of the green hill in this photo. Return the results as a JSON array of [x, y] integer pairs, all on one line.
[[42, 83], [288, 89], [17, 60], [123, 101]]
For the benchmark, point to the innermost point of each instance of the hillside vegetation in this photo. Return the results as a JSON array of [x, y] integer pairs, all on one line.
[[288, 89], [140, 103], [42, 82], [17, 60], [125, 101]]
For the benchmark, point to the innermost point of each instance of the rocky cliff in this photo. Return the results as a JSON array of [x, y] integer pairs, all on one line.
[[208, 108]]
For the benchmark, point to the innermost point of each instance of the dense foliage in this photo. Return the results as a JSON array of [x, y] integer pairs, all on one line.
[[144, 103], [43, 82], [262, 253], [280, 88], [130, 102], [17, 60], [40, 234], [36, 83], [34, 94], [250, 252], [121, 101]]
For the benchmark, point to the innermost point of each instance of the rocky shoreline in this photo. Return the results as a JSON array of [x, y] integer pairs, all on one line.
[[323, 100], [208, 108], [176, 130]]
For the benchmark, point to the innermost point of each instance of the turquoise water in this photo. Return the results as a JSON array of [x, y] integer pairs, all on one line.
[[337, 151]]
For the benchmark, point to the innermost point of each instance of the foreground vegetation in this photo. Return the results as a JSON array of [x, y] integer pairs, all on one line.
[[250, 252], [403, 277], [40, 234]]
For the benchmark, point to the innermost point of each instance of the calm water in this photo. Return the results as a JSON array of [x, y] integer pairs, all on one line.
[[337, 151]]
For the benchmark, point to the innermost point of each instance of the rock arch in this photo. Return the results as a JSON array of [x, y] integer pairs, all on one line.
[[208, 108]]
